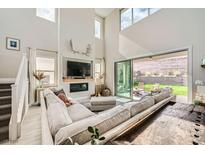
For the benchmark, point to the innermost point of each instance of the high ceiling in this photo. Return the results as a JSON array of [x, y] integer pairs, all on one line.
[[103, 12]]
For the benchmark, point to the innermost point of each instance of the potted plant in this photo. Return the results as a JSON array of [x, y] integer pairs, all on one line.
[[95, 137]]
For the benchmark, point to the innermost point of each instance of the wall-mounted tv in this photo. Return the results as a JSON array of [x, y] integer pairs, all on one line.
[[78, 69]]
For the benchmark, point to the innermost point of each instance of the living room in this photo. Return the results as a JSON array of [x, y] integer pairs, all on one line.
[[113, 76]]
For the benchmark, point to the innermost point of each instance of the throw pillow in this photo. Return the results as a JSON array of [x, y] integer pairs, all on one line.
[[57, 92], [67, 101]]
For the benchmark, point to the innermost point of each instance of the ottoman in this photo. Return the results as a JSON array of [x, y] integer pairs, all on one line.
[[102, 103]]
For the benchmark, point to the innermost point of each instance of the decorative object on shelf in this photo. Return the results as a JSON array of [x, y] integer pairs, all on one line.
[[12, 44], [87, 51], [106, 92], [95, 137], [39, 76]]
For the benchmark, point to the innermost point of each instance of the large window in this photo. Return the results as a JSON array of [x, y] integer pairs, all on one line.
[[46, 13], [126, 18], [97, 29], [139, 14], [46, 64], [137, 78], [133, 15]]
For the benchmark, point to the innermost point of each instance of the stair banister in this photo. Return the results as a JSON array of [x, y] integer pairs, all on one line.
[[19, 100]]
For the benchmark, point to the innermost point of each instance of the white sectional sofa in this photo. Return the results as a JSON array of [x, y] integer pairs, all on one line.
[[64, 125]]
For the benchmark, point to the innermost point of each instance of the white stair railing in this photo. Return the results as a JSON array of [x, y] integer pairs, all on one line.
[[19, 100]]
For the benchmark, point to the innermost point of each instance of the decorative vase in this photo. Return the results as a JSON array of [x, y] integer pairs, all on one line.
[[40, 84]]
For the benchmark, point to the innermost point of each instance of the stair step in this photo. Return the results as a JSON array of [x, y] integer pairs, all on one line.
[[5, 97], [4, 120], [5, 109], [5, 106], [4, 133], [4, 129], [5, 85], [5, 100], [9, 89], [5, 117], [5, 92]]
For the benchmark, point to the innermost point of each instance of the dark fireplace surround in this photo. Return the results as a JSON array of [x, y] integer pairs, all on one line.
[[78, 87]]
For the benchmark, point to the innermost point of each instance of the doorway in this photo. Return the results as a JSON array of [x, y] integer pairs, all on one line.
[[155, 72], [123, 79], [143, 74]]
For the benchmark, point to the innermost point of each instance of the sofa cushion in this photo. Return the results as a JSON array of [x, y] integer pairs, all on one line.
[[78, 111], [83, 100], [139, 106], [97, 108], [134, 107], [104, 122], [108, 100], [57, 117], [50, 97], [161, 96], [147, 102]]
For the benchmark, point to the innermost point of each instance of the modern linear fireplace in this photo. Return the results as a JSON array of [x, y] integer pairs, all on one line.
[[78, 87]]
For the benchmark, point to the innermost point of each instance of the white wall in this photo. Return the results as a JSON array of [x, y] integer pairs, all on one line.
[[164, 30], [9, 69], [78, 25], [100, 43], [32, 31], [111, 46]]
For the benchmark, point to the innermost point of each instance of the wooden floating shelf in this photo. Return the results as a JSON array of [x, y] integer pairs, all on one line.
[[78, 80], [203, 66]]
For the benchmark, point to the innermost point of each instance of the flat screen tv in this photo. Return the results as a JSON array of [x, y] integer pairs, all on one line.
[[78, 69]]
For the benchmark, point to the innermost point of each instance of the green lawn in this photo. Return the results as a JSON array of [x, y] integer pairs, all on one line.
[[177, 90]]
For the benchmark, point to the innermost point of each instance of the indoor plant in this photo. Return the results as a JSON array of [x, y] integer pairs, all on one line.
[[95, 137]]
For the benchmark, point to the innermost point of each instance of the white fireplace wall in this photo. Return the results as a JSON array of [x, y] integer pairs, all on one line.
[[78, 25], [91, 89]]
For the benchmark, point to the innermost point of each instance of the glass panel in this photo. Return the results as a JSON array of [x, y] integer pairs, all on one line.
[[45, 64], [46, 13], [97, 29], [139, 14], [153, 73], [153, 10], [126, 18], [123, 79]]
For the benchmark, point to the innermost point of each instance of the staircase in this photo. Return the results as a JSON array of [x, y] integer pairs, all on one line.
[[5, 110]]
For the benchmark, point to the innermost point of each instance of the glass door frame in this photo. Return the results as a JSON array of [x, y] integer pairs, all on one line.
[[131, 77], [190, 81]]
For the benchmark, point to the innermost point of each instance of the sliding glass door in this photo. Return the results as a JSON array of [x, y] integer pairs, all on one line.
[[123, 79]]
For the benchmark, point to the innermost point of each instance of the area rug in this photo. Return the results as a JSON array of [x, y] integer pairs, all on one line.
[[178, 124]]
